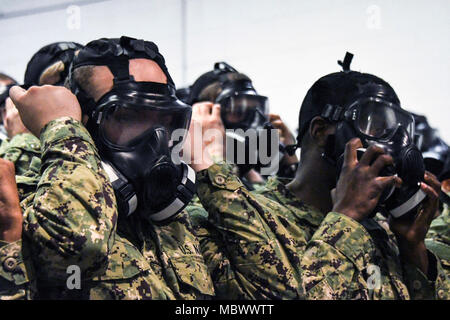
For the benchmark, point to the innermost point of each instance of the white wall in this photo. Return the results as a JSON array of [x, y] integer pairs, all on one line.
[[284, 45]]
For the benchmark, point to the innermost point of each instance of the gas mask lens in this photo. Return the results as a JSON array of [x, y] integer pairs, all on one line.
[[242, 108], [127, 126], [378, 119]]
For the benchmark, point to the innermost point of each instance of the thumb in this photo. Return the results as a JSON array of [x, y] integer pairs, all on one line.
[[15, 93]]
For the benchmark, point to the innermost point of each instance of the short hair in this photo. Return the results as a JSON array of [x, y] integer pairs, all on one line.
[[5, 77], [83, 77], [212, 90]]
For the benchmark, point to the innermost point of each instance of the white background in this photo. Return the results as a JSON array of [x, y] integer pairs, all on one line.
[[284, 45]]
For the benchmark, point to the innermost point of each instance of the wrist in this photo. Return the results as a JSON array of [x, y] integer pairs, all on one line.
[[414, 253], [11, 231], [349, 212]]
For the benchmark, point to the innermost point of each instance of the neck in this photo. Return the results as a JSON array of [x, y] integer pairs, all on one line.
[[312, 185]]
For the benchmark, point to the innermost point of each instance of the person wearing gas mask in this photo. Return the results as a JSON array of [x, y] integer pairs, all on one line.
[[242, 110], [436, 157], [16, 270], [131, 240], [352, 126], [50, 65], [252, 241]]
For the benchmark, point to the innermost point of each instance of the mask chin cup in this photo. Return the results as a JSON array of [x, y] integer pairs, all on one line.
[[127, 200], [185, 192]]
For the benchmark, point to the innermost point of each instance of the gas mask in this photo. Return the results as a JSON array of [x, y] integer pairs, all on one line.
[[375, 120], [434, 150], [242, 110], [132, 127]]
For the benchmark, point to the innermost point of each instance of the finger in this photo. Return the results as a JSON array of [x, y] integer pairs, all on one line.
[[432, 181], [387, 182], [350, 158], [15, 93], [9, 105], [278, 124], [429, 206], [371, 153], [215, 111], [205, 108], [196, 109], [430, 192], [380, 163], [274, 117], [333, 195]]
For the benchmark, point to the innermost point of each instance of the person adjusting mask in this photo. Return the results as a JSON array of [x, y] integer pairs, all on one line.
[[242, 110], [132, 126], [367, 107]]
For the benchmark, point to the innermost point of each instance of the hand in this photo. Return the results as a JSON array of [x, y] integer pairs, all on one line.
[[359, 187], [411, 234], [286, 136], [12, 121], [205, 142], [40, 105], [10, 211]]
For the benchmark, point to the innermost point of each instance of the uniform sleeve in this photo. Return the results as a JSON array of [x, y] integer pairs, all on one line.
[[421, 287], [72, 217], [335, 258], [16, 277], [438, 239], [24, 151], [215, 254], [252, 257]]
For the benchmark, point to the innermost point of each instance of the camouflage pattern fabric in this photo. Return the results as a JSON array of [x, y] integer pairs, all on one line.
[[72, 220], [16, 272], [438, 238], [24, 151], [252, 242], [349, 260]]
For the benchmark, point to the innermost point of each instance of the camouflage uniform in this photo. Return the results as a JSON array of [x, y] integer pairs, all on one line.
[[24, 151], [438, 238], [344, 258], [72, 220], [252, 242], [16, 272]]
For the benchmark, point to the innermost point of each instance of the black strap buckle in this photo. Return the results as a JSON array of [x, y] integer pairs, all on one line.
[[333, 113]]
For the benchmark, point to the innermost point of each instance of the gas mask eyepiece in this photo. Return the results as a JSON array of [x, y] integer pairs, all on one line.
[[382, 123]]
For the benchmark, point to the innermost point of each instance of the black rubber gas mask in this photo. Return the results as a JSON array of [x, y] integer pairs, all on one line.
[[134, 138], [377, 121], [242, 111], [132, 126]]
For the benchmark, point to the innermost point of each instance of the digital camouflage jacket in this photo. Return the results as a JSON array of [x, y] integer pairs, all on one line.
[[251, 242], [349, 260], [72, 228]]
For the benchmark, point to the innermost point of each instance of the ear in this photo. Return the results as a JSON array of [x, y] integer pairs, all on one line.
[[320, 129]]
